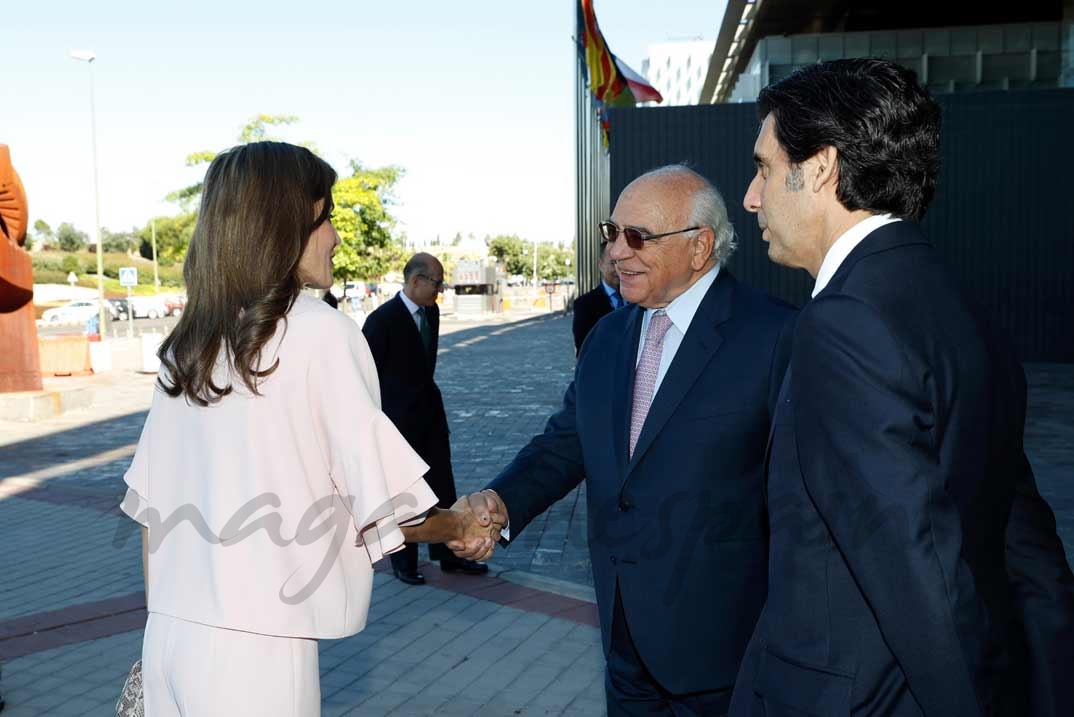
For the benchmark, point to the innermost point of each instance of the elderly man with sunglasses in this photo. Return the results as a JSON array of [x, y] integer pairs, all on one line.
[[667, 421]]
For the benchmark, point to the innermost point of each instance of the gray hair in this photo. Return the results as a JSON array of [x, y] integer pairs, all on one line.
[[708, 210]]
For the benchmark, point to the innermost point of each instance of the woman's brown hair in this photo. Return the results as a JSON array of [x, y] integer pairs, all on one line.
[[241, 271]]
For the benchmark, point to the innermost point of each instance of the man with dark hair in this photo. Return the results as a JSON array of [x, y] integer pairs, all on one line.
[[896, 585], [666, 421], [593, 305], [403, 334]]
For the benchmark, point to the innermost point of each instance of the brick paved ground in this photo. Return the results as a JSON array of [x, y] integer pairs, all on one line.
[[71, 607]]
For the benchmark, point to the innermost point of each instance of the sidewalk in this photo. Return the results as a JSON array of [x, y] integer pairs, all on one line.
[[72, 609]]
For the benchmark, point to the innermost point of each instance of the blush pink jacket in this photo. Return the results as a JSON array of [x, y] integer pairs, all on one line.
[[266, 513]]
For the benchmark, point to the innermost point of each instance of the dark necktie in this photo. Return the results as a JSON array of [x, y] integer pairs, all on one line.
[[617, 299], [425, 330]]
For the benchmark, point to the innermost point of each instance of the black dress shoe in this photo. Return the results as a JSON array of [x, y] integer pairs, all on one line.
[[410, 577], [461, 565]]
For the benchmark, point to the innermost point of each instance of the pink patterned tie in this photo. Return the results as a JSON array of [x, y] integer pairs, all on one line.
[[645, 376]]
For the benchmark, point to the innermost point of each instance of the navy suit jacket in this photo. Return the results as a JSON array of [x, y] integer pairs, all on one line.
[[679, 527], [894, 464], [589, 308], [409, 395]]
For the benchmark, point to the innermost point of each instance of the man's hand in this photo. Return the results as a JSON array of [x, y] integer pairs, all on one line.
[[481, 517]]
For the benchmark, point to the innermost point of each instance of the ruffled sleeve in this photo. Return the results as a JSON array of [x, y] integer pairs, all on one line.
[[371, 465], [136, 501]]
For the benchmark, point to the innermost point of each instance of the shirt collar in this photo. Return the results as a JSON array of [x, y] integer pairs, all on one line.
[[410, 305], [682, 309], [845, 244]]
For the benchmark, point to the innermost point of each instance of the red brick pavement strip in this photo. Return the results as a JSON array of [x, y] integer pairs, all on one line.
[[88, 621], [503, 592], [103, 618]]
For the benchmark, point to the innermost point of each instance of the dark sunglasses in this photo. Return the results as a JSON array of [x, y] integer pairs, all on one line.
[[635, 238], [438, 283]]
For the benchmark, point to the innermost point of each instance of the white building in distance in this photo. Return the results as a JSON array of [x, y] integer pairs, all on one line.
[[677, 69]]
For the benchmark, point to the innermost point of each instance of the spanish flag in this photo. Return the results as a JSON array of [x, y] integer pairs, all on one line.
[[610, 80]]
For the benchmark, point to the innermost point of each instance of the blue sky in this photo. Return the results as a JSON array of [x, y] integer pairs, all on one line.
[[474, 99]]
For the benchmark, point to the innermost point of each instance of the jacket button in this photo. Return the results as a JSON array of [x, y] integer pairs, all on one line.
[[613, 560], [625, 505]]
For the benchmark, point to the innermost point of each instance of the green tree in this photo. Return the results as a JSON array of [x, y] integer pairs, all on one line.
[[42, 233], [554, 263], [71, 239], [367, 248], [119, 241], [256, 130], [511, 251], [173, 237]]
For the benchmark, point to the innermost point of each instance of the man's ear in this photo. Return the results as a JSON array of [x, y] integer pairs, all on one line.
[[825, 168], [706, 237]]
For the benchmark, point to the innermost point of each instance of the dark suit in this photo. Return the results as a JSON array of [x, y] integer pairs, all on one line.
[[412, 400], [678, 529], [589, 308], [895, 452]]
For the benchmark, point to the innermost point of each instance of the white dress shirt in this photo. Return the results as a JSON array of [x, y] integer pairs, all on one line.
[[845, 244], [681, 312], [412, 308]]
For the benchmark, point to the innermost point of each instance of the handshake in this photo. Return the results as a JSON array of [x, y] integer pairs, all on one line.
[[479, 519]]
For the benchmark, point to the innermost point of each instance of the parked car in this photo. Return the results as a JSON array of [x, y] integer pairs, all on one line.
[[73, 312], [356, 288], [389, 289], [148, 307], [118, 309], [175, 304]]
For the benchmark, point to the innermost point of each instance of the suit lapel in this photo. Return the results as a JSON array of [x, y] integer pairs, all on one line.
[[623, 387], [699, 345], [410, 329]]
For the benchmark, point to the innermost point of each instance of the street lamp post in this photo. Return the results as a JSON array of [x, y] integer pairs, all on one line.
[[535, 264], [88, 57]]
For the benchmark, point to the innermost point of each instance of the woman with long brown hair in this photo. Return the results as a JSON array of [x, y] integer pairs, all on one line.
[[266, 479]]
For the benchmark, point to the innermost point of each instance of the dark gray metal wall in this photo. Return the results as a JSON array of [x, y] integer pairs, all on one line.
[[1003, 216]]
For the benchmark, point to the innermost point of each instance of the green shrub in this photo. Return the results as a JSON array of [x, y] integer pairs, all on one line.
[[71, 263], [49, 276], [46, 262]]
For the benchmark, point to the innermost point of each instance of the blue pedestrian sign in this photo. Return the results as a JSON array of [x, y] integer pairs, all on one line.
[[128, 276]]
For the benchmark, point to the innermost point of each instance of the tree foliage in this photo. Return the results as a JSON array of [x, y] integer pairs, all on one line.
[[173, 237], [119, 241], [43, 231], [511, 251], [516, 255], [256, 130], [70, 239], [554, 262], [368, 248]]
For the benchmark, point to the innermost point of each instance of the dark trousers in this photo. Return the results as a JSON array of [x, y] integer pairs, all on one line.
[[436, 451], [632, 691]]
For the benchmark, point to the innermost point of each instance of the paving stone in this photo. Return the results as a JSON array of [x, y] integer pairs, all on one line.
[[425, 650]]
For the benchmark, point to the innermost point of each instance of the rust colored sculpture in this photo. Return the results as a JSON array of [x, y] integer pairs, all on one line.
[[19, 364]]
